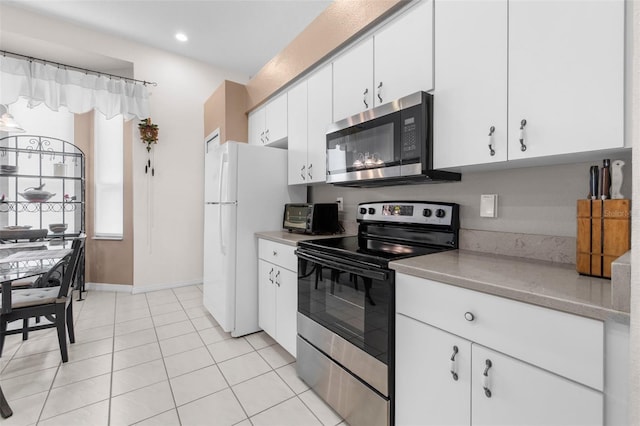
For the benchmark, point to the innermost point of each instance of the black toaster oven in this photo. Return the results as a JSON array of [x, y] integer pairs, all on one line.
[[311, 218]]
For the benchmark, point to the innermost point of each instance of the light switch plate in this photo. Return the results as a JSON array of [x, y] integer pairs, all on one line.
[[489, 205]]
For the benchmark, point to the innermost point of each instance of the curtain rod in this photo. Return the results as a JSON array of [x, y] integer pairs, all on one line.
[[58, 64]]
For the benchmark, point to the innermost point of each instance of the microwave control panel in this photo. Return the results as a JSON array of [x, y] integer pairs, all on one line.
[[411, 130]]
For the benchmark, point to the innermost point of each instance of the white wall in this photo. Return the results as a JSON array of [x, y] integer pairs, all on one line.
[[531, 200], [168, 208]]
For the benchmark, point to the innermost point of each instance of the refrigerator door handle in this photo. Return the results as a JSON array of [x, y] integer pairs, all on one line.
[[223, 246], [223, 159]]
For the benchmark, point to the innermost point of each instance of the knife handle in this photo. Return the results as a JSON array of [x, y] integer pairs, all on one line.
[[593, 182], [605, 177]]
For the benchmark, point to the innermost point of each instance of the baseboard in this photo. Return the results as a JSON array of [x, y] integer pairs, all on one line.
[[126, 288], [147, 288], [121, 288]]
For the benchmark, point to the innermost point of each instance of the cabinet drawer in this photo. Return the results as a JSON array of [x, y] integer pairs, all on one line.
[[278, 254], [565, 344]]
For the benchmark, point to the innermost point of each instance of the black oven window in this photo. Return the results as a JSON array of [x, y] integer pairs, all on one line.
[[355, 307]]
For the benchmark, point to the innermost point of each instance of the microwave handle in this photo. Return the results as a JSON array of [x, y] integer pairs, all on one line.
[[344, 266]]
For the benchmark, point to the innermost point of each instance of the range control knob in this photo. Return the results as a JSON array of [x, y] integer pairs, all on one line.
[[440, 213], [427, 212], [372, 210], [363, 210]]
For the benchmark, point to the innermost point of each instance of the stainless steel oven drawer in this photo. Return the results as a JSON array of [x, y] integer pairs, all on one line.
[[355, 402], [369, 369]]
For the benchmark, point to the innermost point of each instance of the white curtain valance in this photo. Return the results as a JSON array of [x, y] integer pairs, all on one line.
[[79, 92]]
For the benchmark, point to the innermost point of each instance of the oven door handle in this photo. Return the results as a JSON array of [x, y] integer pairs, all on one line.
[[344, 266]]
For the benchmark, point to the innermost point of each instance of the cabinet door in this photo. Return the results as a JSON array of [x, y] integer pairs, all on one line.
[[256, 127], [524, 394], [353, 81], [320, 107], [403, 58], [267, 297], [276, 119], [426, 391], [566, 76], [297, 134], [470, 82], [286, 309]]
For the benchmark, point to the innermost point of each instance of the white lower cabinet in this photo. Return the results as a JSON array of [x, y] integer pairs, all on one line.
[[278, 293], [427, 392], [443, 378], [520, 393]]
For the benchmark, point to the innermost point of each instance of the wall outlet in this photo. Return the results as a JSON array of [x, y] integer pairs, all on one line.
[[340, 201], [489, 205]]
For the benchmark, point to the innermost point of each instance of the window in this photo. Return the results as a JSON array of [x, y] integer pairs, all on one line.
[[108, 176]]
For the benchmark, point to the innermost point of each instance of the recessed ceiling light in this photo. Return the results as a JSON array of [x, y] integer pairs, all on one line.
[[181, 37]]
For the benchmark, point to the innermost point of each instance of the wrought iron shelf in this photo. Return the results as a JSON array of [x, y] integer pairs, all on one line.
[[36, 158], [45, 206], [16, 175]]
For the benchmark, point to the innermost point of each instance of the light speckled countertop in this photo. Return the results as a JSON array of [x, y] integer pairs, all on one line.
[[552, 285], [293, 238]]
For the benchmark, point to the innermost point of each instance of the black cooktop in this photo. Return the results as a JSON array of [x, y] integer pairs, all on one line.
[[373, 251]]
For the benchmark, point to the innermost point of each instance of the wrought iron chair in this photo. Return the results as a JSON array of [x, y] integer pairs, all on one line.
[[54, 303]]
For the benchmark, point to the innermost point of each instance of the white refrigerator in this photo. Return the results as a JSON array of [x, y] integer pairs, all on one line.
[[245, 192]]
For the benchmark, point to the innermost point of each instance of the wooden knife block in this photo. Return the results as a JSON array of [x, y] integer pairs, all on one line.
[[604, 234]]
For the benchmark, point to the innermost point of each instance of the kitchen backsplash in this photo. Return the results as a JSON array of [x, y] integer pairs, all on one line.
[[535, 204]]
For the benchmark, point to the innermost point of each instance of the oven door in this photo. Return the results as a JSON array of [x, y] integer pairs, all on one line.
[[354, 301]]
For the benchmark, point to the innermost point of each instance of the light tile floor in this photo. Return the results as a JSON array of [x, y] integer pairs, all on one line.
[[156, 358]]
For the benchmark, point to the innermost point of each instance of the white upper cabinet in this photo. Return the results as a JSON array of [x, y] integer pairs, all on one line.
[[353, 81], [319, 113], [310, 106], [268, 124], [397, 61], [403, 58], [256, 127], [566, 76], [556, 66], [471, 82], [298, 134]]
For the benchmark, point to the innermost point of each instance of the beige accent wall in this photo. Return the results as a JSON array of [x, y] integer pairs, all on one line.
[[341, 22], [107, 261], [225, 109]]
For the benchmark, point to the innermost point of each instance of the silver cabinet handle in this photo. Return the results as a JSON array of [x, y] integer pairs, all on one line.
[[278, 278], [454, 367], [469, 316], [266, 135], [523, 146], [485, 378], [492, 151], [364, 99], [262, 137], [302, 172], [271, 275], [309, 171], [380, 92]]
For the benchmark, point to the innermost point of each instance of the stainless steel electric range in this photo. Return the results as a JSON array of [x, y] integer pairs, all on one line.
[[346, 303]]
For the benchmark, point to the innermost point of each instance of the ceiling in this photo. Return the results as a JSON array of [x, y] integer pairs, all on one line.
[[237, 35]]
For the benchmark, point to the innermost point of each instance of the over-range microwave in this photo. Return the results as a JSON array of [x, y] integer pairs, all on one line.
[[387, 145]]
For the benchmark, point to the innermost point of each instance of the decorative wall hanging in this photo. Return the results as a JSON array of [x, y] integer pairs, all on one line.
[[148, 135]]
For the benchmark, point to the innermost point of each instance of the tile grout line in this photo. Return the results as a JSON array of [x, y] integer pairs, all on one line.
[[113, 350], [166, 371], [53, 381]]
